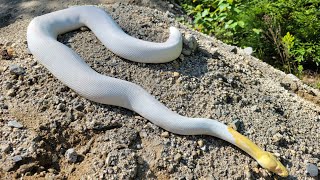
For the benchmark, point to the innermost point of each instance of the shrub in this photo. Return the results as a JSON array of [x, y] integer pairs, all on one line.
[[284, 33]]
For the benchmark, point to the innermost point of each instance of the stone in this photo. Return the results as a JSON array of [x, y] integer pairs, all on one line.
[[5, 148], [71, 155], [17, 158], [191, 42], [290, 82], [15, 124], [234, 49], [11, 92], [236, 124], [7, 165], [177, 157], [5, 54], [16, 70], [61, 107], [312, 170], [248, 50], [200, 143], [176, 74], [165, 134], [79, 107]]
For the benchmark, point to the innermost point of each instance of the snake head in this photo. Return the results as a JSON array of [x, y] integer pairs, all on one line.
[[270, 162]]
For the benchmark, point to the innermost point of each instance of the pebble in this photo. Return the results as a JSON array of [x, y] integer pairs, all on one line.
[[7, 165], [312, 170], [79, 107], [84, 28], [248, 50], [290, 82], [61, 107], [236, 124], [11, 92], [15, 124], [200, 143], [17, 158], [190, 44], [5, 148], [277, 137], [165, 134], [234, 49], [181, 57], [16, 70], [186, 52], [71, 155], [3, 68], [204, 148], [177, 157], [6, 54], [176, 74]]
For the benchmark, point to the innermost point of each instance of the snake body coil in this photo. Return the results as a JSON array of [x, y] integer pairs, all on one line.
[[71, 69]]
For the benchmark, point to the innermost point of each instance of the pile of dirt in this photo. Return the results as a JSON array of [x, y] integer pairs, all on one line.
[[48, 131]]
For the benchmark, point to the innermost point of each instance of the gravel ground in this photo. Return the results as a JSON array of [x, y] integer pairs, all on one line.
[[48, 131]]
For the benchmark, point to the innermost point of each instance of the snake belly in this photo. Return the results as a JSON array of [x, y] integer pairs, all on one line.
[[67, 66]]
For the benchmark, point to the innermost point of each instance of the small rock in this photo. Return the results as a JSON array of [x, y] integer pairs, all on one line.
[[190, 44], [84, 28], [7, 165], [16, 70], [247, 173], [312, 170], [176, 74], [236, 124], [79, 107], [5, 54], [177, 157], [181, 57], [255, 108], [200, 143], [186, 52], [277, 137], [140, 160], [248, 50], [3, 68], [15, 124], [5, 148], [71, 155], [17, 158], [204, 148], [78, 115], [290, 82], [11, 92], [234, 49], [54, 158], [165, 134], [61, 107]]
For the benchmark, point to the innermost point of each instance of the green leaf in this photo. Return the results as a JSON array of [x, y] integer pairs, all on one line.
[[237, 10], [198, 7], [257, 31], [223, 6], [205, 12], [241, 24], [230, 1], [233, 25]]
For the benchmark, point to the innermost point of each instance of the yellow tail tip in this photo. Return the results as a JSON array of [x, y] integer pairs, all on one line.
[[270, 162]]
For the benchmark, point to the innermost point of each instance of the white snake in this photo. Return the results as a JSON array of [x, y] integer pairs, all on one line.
[[72, 70]]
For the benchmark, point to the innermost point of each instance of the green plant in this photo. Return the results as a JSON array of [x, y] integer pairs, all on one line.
[[283, 33], [216, 17]]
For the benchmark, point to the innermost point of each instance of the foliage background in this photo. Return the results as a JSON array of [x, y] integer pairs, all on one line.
[[284, 33]]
